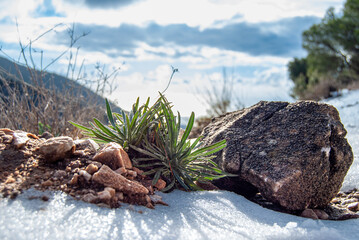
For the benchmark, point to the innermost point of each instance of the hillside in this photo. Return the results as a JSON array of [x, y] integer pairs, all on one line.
[[14, 73]]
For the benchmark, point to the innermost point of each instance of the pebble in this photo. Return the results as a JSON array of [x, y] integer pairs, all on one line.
[[75, 164], [161, 184], [10, 180], [321, 214], [121, 170], [353, 206], [85, 174], [309, 213], [45, 198], [132, 173], [104, 196], [111, 191], [47, 183], [90, 198], [74, 180], [91, 168], [59, 174], [119, 196]]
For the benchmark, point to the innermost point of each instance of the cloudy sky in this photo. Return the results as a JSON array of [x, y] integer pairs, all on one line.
[[252, 39]]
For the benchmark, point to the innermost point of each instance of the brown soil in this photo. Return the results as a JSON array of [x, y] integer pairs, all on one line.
[[23, 168]]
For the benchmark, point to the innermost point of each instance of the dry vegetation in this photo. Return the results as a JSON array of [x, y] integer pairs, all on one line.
[[34, 106], [37, 109]]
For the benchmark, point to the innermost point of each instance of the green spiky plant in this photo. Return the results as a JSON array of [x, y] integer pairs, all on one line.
[[154, 132], [124, 128], [175, 157]]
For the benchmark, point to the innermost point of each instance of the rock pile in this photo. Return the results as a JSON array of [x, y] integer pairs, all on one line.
[[105, 177], [295, 155]]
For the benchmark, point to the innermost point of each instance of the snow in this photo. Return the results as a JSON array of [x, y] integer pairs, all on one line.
[[348, 107], [194, 215]]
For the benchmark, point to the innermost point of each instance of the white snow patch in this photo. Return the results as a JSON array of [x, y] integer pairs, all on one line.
[[348, 107]]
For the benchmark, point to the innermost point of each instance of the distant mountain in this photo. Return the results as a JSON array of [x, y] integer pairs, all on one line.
[[14, 73]]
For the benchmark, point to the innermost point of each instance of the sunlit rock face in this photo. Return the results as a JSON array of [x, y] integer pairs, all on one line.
[[295, 154]]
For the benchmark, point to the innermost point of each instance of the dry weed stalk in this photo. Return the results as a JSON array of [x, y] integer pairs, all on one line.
[[36, 104]]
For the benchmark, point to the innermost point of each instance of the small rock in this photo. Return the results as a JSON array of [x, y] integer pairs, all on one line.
[[79, 153], [47, 183], [119, 196], [20, 138], [161, 184], [131, 173], [75, 164], [104, 196], [113, 156], [121, 170], [91, 168], [138, 171], [309, 213], [90, 198], [45, 198], [74, 180], [7, 139], [353, 206], [111, 191], [85, 174], [98, 164], [335, 200], [59, 174], [149, 205], [89, 144], [321, 214], [10, 180], [56, 148], [103, 205]]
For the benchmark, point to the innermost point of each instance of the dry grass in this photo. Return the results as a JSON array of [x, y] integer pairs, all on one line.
[[26, 107], [26, 104]]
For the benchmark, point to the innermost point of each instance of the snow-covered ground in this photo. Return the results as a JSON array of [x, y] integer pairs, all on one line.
[[348, 107], [195, 215]]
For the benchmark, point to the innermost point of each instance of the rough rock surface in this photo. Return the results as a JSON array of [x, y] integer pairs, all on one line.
[[113, 156], [295, 155], [56, 148]]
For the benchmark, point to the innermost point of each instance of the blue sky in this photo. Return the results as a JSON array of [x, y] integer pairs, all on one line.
[[253, 39]]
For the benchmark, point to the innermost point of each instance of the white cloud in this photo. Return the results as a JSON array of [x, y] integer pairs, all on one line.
[[201, 13]]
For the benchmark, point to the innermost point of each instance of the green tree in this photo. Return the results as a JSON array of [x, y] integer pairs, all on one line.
[[333, 52]]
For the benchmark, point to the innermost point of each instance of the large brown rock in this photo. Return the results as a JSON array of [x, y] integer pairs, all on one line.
[[296, 154]]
